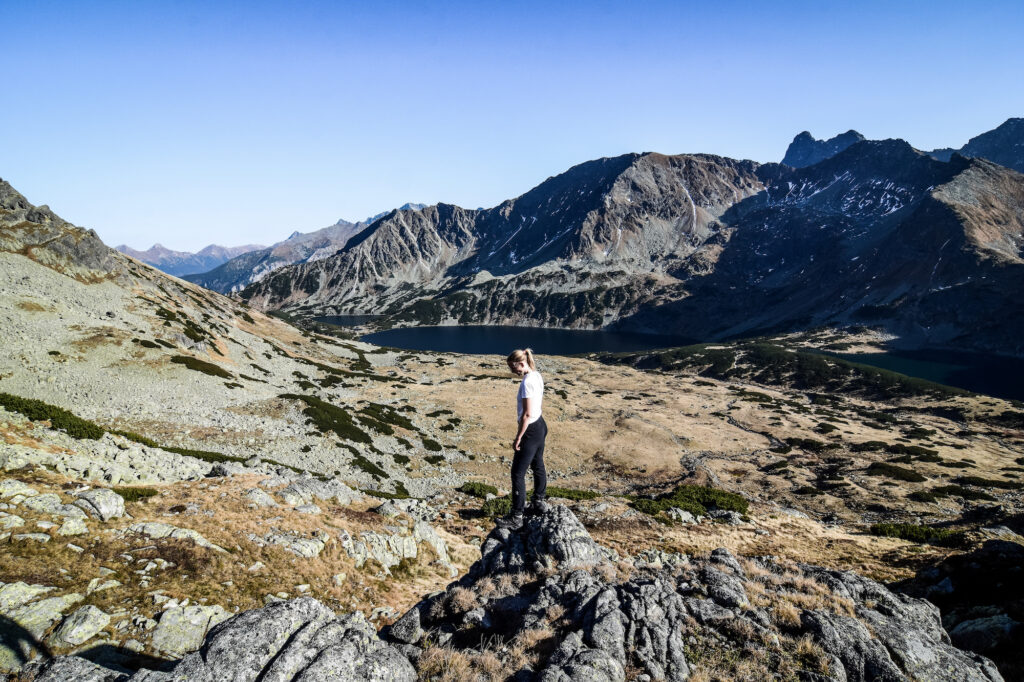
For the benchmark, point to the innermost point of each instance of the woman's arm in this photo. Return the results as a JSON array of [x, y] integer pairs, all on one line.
[[530, 408]]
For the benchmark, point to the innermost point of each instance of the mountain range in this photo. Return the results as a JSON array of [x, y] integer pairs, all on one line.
[[707, 247], [244, 269], [179, 263]]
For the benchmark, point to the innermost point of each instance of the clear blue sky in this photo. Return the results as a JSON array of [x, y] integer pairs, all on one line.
[[233, 122]]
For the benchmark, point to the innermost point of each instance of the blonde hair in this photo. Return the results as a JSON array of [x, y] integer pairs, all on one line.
[[520, 355]]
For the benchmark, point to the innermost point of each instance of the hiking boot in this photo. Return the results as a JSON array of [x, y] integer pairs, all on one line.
[[537, 506], [510, 522]]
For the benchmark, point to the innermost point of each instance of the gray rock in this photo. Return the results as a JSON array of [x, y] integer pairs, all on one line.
[[31, 537], [73, 526], [101, 503], [37, 617], [71, 668], [309, 509], [13, 595], [309, 490], [555, 537], [681, 515], [727, 590], [260, 497], [9, 521], [304, 547], [9, 487], [847, 640], [165, 530], [50, 504], [407, 629], [299, 640], [80, 626], [985, 634], [182, 629]]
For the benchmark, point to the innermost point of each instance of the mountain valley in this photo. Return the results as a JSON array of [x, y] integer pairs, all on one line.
[[172, 458]]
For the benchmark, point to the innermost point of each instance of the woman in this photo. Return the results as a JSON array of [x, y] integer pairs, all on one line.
[[528, 446]]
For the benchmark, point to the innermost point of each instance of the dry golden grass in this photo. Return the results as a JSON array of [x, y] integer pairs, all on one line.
[[462, 600], [444, 664], [785, 614], [201, 574]]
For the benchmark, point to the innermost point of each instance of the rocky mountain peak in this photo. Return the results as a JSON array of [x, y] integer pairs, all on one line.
[[43, 236], [1003, 145], [805, 150]]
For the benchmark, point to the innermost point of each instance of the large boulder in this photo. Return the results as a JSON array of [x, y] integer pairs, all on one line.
[[101, 503], [182, 629], [299, 641], [80, 627]]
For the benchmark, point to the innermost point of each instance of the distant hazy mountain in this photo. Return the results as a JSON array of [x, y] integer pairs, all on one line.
[[299, 247], [804, 150], [179, 263]]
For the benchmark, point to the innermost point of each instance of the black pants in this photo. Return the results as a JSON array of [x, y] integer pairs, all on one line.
[[529, 456]]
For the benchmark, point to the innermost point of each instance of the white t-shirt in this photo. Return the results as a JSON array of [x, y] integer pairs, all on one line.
[[532, 386]]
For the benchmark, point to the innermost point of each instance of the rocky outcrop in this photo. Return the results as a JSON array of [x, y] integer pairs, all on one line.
[[38, 233], [563, 609], [156, 530], [648, 622], [300, 640], [981, 598]]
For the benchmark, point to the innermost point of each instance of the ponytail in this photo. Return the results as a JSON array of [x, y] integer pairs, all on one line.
[[524, 354]]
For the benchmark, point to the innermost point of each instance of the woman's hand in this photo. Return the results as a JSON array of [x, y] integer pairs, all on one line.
[[515, 443]]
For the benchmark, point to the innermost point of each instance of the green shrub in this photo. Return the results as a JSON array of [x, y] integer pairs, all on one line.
[[328, 418], [134, 494], [438, 413], [476, 489], [400, 493], [202, 366], [811, 445], [431, 445], [401, 460], [692, 498], [923, 496], [914, 450], [908, 531], [807, 490], [989, 483], [918, 433], [434, 459], [146, 343], [825, 427], [960, 491], [775, 466], [369, 467], [571, 493], [59, 418], [132, 436], [894, 472], [205, 455], [497, 506]]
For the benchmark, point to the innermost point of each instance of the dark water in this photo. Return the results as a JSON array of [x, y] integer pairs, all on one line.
[[995, 375], [503, 340], [346, 320]]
